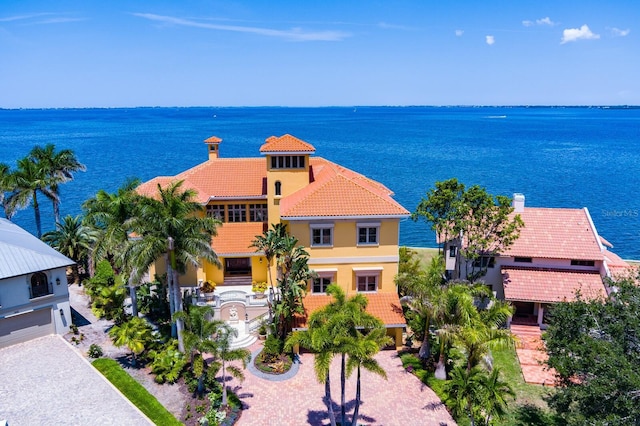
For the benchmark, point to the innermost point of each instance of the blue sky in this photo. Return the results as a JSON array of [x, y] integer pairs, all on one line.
[[302, 53]]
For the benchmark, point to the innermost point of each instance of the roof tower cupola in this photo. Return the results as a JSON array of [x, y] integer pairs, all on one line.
[[213, 143]]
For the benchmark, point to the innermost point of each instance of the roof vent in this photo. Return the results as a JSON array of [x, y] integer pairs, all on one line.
[[518, 203]]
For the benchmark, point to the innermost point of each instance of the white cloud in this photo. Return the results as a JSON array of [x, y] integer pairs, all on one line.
[[295, 34], [617, 32], [575, 34], [459, 33], [490, 39], [542, 21]]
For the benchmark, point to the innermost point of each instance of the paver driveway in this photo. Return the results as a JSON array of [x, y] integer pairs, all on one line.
[[401, 400], [46, 382]]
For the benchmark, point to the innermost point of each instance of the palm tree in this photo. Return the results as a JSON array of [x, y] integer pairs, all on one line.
[[270, 244], [73, 239], [29, 179], [344, 328], [464, 392], [134, 334], [111, 215], [58, 168], [424, 298], [6, 186], [361, 355], [172, 224], [495, 395], [198, 338], [222, 339]]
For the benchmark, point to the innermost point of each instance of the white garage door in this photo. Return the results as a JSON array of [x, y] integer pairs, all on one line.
[[20, 328]]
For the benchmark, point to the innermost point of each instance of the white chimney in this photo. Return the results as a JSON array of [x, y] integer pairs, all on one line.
[[518, 203]]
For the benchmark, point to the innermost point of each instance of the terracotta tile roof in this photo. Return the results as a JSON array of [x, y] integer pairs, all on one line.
[[556, 233], [385, 306], [550, 286], [338, 191], [219, 178], [286, 143], [213, 139], [617, 266], [235, 238]]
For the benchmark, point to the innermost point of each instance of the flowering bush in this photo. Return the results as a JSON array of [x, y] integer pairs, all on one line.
[[259, 287], [208, 286]]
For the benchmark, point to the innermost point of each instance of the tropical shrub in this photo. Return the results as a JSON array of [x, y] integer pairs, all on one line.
[[167, 363], [95, 351], [135, 334]]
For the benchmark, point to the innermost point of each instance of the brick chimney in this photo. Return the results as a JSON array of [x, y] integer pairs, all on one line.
[[518, 203]]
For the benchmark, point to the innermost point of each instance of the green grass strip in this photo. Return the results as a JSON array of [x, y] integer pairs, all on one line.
[[135, 392]]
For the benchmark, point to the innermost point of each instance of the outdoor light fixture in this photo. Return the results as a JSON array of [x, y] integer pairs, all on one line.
[[260, 260], [58, 281], [61, 312]]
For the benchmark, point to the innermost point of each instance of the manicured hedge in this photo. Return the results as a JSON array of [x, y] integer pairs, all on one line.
[[135, 392]]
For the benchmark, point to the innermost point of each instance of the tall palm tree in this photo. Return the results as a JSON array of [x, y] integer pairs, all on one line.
[[28, 179], [111, 214], [198, 338], [222, 338], [464, 394], [6, 186], [424, 297], [172, 223], [73, 239], [344, 328], [496, 393], [58, 168], [361, 356], [270, 243]]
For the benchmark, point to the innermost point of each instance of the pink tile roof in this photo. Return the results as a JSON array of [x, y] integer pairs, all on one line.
[[617, 266], [385, 306], [338, 191], [550, 285], [286, 143], [556, 233]]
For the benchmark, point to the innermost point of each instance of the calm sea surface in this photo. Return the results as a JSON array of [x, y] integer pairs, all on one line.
[[557, 157]]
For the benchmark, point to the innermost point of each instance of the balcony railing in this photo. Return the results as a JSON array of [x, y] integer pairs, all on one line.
[[40, 290]]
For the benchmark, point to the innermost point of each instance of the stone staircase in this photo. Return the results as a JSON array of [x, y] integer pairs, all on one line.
[[532, 354], [237, 280], [243, 340], [528, 336]]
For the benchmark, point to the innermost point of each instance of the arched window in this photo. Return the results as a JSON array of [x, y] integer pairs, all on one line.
[[39, 285], [278, 188]]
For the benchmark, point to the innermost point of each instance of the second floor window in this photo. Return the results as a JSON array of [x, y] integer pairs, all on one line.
[[287, 162], [484, 262], [216, 211], [321, 236], [367, 282], [39, 285], [368, 235], [257, 212], [237, 213], [320, 284]]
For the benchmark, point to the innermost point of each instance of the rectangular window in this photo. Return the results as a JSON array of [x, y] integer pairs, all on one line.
[[484, 262], [257, 212], [575, 262], [322, 236], [216, 211], [320, 284], [367, 282], [452, 251], [368, 235], [287, 162], [523, 259], [237, 213]]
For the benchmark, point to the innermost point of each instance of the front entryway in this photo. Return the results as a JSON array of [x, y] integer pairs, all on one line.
[[237, 266]]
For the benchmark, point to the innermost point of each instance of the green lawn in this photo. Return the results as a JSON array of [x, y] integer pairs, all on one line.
[[135, 392], [425, 254]]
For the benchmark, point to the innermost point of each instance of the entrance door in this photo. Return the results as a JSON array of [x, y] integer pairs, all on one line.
[[237, 266]]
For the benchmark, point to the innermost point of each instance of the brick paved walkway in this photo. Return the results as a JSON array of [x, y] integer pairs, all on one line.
[[401, 400], [532, 355]]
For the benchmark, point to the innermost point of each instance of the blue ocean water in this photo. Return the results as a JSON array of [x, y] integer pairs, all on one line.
[[556, 156]]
